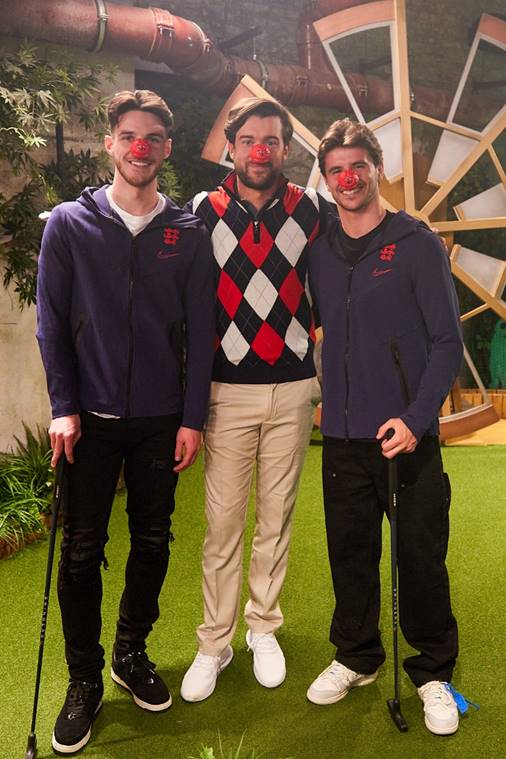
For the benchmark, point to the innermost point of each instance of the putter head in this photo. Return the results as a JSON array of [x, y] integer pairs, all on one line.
[[31, 747], [394, 708]]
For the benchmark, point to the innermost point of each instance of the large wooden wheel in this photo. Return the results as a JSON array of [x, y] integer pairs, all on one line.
[[422, 174]]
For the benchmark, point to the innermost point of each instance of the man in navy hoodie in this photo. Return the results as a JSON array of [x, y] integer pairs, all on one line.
[[126, 331], [392, 347]]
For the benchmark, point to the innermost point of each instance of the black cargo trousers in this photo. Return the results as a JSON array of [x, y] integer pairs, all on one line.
[[355, 487], [145, 447]]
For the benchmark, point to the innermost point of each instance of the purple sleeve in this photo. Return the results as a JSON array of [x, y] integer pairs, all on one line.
[[200, 319], [435, 293], [54, 335]]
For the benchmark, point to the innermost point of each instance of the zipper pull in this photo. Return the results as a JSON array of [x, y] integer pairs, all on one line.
[[256, 231]]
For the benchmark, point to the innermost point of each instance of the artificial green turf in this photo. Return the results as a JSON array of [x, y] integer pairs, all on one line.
[[280, 722]]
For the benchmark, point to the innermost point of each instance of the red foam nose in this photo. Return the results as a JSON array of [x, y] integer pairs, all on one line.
[[140, 148], [260, 153], [348, 180]]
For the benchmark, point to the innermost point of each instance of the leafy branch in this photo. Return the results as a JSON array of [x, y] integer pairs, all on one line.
[[40, 89]]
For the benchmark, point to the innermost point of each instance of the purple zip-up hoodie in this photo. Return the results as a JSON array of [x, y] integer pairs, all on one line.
[[126, 325], [392, 343]]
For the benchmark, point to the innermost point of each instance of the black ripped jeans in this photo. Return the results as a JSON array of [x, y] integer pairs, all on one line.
[[145, 446], [355, 489]]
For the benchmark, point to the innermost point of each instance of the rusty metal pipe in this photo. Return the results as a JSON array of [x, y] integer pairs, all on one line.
[[157, 35], [311, 52]]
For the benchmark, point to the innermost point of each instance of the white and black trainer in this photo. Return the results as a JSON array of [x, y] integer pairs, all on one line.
[[134, 672], [72, 730]]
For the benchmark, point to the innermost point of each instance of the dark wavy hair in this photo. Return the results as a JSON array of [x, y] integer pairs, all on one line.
[[139, 100], [346, 133], [247, 107]]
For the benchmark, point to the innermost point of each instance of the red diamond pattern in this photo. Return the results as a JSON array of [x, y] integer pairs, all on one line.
[[229, 294], [219, 202], [291, 198], [257, 252], [291, 291], [268, 344]]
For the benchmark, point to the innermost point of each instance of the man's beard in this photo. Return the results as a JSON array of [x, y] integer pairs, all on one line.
[[270, 180], [340, 201], [138, 181]]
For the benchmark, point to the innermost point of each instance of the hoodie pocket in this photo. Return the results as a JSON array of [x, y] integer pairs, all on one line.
[[78, 330], [397, 359], [177, 342]]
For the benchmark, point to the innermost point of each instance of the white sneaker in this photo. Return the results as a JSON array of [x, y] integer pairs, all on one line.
[[200, 679], [441, 713], [269, 665], [334, 683]]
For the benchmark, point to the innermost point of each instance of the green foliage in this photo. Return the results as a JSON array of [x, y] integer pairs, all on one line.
[[31, 462], [169, 183], [77, 170], [207, 752], [19, 509], [26, 481], [193, 120], [39, 90]]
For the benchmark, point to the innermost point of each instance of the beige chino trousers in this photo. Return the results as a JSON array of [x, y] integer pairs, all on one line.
[[267, 426]]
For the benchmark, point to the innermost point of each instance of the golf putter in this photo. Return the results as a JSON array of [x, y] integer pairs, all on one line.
[[31, 749], [394, 704]]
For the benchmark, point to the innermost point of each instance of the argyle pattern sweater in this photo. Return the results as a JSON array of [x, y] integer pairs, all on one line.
[[265, 327]]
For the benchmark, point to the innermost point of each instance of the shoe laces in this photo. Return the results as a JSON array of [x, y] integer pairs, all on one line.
[[338, 671], [264, 643], [206, 662], [78, 694], [137, 661], [436, 692]]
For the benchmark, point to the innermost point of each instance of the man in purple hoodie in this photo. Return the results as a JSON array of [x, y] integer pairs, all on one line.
[[392, 347], [126, 331]]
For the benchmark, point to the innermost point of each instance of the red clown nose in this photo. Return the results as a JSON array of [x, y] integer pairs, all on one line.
[[260, 153], [140, 148], [348, 180]]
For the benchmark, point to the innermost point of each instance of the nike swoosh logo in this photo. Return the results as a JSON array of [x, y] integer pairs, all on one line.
[[162, 256], [379, 272]]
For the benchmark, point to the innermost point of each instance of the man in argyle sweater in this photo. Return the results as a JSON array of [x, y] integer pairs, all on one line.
[[264, 388]]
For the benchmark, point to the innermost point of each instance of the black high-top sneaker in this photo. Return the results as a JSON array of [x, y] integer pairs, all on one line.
[[136, 673], [72, 729]]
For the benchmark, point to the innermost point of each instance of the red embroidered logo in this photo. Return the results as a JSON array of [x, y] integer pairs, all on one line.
[[162, 255], [171, 236], [379, 272], [388, 252]]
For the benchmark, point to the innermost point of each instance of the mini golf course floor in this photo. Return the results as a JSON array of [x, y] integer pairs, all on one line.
[[281, 722]]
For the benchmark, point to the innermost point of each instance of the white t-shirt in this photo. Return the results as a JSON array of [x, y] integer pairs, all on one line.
[[135, 223]]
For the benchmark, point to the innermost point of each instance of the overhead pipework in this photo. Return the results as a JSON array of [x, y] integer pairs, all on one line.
[[160, 36]]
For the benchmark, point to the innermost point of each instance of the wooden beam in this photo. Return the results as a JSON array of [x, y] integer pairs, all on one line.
[[400, 67], [474, 312], [498, 166], [456, 128], [495, 303], [485, 142], [462, 225]]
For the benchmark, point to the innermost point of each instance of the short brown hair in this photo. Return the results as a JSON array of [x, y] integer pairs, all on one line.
[[139, 100], [247, 107], [349, 134]]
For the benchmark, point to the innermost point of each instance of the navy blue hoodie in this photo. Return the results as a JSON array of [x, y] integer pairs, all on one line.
[[126, 324], [392, 342]]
